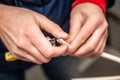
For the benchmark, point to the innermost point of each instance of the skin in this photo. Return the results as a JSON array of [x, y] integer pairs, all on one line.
[[20, 30], [88, 31]]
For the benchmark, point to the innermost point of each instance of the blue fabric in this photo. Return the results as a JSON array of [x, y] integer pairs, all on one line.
[[56, 10], [12, 75]]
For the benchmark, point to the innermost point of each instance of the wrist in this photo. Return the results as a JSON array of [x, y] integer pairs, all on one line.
[[100, 3]]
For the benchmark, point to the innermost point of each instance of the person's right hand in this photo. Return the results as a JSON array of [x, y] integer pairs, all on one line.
[[20, 30]]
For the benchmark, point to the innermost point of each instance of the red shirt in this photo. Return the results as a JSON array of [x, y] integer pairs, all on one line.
[[101, 3]]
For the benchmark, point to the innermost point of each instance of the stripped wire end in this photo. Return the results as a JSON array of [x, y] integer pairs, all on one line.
[[61, 41]]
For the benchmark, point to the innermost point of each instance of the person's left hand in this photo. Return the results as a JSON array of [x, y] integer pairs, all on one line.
[[88, 31]]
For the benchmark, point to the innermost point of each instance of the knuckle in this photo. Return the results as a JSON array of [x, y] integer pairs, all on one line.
[[57, 26], [77, 54], [15, 55], [15, 51], [106, 25], [107, 34], [71, 49], [91, 47], [29, 34], [21, 44], [96, 52], [97, 18], [39, 62], [49, 54], [35, 60], [57, 29], [101, 51], [46, 61], [93, 56]]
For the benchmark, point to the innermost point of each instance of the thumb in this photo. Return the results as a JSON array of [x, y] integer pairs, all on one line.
[[51, 27], [76, 22]]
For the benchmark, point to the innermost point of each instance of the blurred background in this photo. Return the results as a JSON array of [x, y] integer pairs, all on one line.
[[98, 66]]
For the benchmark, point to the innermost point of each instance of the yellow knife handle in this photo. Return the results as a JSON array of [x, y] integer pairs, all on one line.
[[9, 57]]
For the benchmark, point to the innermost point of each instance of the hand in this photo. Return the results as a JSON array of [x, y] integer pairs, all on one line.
[[20, 30], [88, 31]]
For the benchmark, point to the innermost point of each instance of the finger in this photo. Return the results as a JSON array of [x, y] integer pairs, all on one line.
[[18, 54], [101, 46], [92, 42], [59, 51], [8, 45], [86, 31], [40, 42], [38, 55], [5, 41], [76, 22], [22, 54], [20, 58], [24, 44], [98, 49], [43, 45], [12, 48], [51, 27]]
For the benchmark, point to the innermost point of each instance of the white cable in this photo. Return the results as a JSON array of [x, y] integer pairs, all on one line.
[[100, 78], [110, 57]]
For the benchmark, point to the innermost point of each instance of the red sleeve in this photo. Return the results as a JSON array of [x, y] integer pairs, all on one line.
[[101, 3]]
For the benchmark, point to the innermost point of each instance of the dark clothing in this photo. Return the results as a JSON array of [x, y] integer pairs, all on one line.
[[56, 10], [16, 74], [110, 3]]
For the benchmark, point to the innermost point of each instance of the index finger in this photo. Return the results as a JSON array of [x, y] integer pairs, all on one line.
[[85, 32]]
